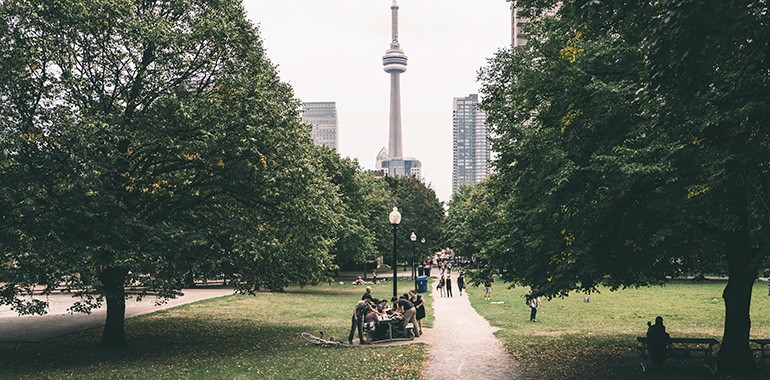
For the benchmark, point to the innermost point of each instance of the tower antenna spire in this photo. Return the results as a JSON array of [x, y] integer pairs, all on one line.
[[394, 63]]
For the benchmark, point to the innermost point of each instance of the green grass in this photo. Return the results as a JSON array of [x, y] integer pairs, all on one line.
[[235, 337], [596, 340]]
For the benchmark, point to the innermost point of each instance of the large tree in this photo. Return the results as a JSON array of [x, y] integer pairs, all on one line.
[[152, 138], [633, 146]]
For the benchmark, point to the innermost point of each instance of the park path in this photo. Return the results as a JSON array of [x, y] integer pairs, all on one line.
[[462, 344], [36, 328]]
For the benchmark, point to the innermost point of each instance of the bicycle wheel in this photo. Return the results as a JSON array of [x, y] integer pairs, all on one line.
[[312, 338]]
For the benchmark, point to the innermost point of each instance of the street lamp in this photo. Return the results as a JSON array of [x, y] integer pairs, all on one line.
[[413, 238], [395, 219]]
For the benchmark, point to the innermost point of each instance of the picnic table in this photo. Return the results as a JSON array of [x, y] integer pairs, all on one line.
[[700, 348]]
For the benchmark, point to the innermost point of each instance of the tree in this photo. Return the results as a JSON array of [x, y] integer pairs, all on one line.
[[421, 212], [632, 149], [471, 213], [364, 202], [152, 138]]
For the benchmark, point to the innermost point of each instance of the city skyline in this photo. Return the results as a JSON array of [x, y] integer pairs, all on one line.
[[332, 51]]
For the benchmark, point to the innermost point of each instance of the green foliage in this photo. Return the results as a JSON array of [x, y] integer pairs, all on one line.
[[363, 212], [633, 147], [155, 138], [421, 213]]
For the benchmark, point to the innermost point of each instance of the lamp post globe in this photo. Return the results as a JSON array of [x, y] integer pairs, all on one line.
[[395, 218]]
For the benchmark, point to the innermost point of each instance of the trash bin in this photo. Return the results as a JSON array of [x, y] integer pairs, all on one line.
[[420, 270], [422, 284]]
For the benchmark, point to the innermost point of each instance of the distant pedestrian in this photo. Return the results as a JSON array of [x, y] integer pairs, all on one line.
[[460, 283], [374, 276], [442, 285], [449, 286], [488, 290], [534, 304]]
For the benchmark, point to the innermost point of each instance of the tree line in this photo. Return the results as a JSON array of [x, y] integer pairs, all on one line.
[[156, 138]]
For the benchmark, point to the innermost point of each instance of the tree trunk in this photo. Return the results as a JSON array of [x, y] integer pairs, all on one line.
[[734, 352], [114, 334]]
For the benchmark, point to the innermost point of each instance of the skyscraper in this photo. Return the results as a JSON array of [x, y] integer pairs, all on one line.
[[323, 117], [394, 63], [518, 38], [471, 151]]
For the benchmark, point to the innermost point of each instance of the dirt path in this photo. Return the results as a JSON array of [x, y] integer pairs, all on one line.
[[461, 342]]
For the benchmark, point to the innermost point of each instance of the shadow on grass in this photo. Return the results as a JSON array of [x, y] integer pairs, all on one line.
[[157, 340], [595, 358]]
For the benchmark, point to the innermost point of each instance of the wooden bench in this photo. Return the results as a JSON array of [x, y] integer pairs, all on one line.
[[763, 349], [699, 348]]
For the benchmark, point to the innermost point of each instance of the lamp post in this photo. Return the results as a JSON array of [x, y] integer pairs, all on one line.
[[413, 238], [395, 219]]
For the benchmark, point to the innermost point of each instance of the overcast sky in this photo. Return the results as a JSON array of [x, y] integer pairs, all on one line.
[[331, 50]]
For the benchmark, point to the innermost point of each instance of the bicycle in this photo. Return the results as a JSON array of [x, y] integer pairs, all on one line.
[[321, 341]]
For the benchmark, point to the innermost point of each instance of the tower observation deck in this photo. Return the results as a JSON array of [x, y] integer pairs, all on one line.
[[394, 63]]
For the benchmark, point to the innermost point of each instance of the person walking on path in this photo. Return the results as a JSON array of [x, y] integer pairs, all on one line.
[[442, 285], [449, 286], [533, 303], [460, 283]]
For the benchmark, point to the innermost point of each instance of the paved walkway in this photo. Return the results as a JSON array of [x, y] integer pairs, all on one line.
[[461, 342], [36, 328]]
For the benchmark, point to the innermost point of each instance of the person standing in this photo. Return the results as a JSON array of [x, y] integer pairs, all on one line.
[[407, 309], [419, 303], [488, 290], [533, 303], [442, 285], [460, 283], [357, 321], [367, 294], [449, 285]]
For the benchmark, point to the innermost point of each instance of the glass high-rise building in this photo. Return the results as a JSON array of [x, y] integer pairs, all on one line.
[[323, 117], [471, 150]]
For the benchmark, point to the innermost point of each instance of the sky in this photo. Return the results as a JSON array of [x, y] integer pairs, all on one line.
[[331, 50]]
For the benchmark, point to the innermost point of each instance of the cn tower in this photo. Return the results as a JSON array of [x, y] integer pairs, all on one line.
[[394, 63]]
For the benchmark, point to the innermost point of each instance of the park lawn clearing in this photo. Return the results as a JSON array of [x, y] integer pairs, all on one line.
[[233, 337], [573, 339]]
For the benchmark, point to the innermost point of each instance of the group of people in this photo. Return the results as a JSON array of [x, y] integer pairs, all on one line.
[[369, 311], [445, 284]]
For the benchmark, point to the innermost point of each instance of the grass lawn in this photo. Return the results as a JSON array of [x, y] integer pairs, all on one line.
[[235, 337], [596, 340]]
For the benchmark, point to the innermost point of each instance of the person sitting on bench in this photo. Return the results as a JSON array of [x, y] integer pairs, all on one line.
[[657, 341]]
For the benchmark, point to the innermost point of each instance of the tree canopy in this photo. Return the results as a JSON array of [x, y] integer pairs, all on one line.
[[632, 140], [154, 138]]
